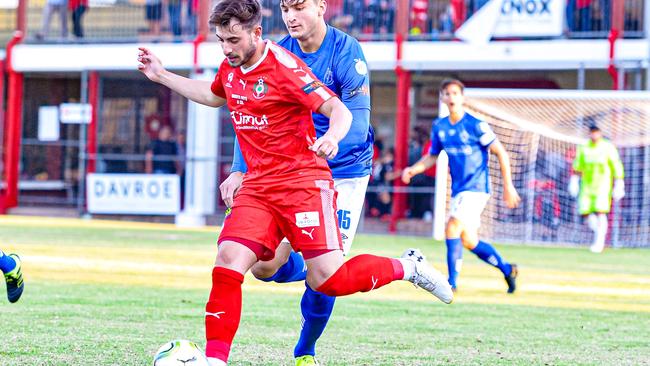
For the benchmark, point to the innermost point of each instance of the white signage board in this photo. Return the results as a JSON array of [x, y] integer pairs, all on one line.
[[514, 18], [75, 113], [8, 4], [138, 194], [530, 18], [48, 123]]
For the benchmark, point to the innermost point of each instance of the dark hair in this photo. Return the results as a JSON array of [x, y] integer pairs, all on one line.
[[445, 83], [247, 12]]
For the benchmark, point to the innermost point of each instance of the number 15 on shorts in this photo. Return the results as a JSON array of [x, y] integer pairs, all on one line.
[[344, 219]]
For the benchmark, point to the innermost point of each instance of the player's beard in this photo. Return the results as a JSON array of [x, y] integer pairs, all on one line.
[[246, 56]]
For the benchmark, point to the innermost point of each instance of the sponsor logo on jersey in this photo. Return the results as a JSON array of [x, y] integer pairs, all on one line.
[[452, 132], [464, 136], [243, 83], [307, 219], [247, 122], [312, 86], [363, 90], [260, 89], [328, 78], [360, 66], [239, 98], [441, 135], [230, 77]]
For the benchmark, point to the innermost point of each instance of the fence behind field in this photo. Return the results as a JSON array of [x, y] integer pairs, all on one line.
[[133, 20]]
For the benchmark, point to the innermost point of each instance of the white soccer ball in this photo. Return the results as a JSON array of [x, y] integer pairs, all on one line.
[[180, 353]]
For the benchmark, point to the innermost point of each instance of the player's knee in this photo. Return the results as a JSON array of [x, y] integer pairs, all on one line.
[[469, 239], [334, 285], [453, 229], [264, 270]]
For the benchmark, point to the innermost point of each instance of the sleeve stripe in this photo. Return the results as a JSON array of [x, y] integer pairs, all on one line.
[[487, 138]]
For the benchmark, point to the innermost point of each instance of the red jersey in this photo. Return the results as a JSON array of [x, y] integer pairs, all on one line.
[[271, 106]]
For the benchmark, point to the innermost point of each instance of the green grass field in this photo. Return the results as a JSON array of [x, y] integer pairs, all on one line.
[[110, 293]]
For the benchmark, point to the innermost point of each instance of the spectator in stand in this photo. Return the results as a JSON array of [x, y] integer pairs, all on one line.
[[77, 9], [189, 26], [459, 13], [51, 7], [383, 175], [161, 156], [153, 14], [380, 16], [174, 10], [584, 15], [419, 17], [424, 204]]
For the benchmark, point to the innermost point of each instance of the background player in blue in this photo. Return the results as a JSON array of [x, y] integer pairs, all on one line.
[[11, 267], [338, 61], [467, 141]]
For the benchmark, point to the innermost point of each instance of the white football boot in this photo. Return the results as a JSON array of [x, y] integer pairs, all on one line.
[[427, 277]]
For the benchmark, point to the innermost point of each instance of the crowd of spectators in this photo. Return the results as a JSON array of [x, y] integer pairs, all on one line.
[[365, 19]]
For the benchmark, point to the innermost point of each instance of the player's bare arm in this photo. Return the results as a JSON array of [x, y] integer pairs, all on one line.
[[195, 90], [425, 162], [230, 186], [327, 146], [510, 195]]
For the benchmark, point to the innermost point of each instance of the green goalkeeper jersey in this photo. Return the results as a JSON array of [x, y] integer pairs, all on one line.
[[599, 165]]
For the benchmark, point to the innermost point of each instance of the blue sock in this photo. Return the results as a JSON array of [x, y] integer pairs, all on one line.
[[316, 310], [454, 255], [6, 262], [292, 271], [489, 255]]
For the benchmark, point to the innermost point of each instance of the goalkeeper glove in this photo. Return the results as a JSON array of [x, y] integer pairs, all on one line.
[[574, 186], [619, 190]]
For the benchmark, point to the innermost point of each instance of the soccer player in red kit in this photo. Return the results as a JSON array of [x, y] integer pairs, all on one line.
[[288, 190]]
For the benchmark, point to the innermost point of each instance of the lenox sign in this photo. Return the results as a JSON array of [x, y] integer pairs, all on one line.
[[530, 7], [514, 18], [140, 194]]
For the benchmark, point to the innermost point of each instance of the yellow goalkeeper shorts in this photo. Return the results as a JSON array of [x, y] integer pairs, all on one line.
[[594, 203]]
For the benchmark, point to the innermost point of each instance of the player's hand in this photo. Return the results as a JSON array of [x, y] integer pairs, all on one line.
[[326, 147], [511, 197], [619, 190], [230, 186], [149, 64], [407, 174], [574, 186]]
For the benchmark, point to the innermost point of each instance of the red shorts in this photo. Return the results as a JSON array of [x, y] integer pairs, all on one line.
[[303, 212]]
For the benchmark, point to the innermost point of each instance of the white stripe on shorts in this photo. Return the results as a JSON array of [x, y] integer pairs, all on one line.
[[327, 203]]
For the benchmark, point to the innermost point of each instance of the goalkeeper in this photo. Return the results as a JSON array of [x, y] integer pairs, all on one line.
[[595, 167]]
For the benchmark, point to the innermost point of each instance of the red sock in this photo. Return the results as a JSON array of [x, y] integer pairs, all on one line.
[[223, 312], [363, 273]]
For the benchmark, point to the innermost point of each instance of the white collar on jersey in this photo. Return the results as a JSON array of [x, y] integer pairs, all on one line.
[[245, 70]]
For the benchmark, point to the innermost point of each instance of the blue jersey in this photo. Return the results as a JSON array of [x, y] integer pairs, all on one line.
[[466, 143], [340, 64]]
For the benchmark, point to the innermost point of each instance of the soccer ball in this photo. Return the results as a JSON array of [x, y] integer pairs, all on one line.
[[180, 353]]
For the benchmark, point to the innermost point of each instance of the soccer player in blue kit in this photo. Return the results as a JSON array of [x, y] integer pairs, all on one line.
[[338, 61], [467, 141]]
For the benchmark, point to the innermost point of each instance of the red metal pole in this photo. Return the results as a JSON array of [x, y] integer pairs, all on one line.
[[618, 27], [403, 117], [91, 137], [21, 16], [13, 124]]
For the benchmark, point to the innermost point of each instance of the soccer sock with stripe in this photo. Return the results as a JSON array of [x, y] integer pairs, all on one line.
[[292, 271], [489, 255], [362, 273], [454, 259], [7, 264], [223, 312], [316, 310]]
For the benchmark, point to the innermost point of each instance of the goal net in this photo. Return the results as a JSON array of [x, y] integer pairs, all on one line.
[[541, 129]]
